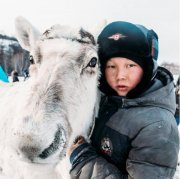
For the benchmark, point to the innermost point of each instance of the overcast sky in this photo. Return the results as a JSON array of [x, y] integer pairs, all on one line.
[[160, 15]]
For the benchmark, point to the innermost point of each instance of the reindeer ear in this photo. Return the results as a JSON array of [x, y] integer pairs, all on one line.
[[26, 33], [96, 30]]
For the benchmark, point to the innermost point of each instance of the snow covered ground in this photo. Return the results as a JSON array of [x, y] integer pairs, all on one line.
[[20, 78]]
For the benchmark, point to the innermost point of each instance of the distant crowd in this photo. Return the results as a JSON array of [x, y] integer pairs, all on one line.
[[15, 78]]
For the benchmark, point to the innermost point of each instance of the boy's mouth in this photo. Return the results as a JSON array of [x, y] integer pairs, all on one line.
[[122, 87]]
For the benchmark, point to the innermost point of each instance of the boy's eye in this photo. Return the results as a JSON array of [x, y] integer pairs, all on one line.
[[130, 65], [110, 66]]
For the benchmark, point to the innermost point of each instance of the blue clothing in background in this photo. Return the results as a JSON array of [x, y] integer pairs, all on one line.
[[178, 121], [3, 76]]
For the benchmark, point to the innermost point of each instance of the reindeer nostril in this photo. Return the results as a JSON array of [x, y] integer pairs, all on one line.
[[30, 152], [58, 141]]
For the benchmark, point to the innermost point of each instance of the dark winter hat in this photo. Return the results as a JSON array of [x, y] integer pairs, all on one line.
[[135, 42]]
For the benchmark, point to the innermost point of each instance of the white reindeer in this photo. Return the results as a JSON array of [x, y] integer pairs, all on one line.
[[41, 117]]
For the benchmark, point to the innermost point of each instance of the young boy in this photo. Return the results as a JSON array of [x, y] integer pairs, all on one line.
[[135, 134]]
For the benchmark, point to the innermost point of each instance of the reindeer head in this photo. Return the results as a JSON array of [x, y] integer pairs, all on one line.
[[59, 98]]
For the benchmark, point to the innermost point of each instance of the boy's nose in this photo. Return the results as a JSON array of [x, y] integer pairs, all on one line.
[[121, 74]]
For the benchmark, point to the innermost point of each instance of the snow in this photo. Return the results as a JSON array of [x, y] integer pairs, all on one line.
[[10, 80], [6, 42]]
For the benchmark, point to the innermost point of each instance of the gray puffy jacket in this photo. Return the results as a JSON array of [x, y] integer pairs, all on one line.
[[138, 140]]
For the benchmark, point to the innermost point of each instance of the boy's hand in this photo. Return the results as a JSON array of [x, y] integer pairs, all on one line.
[[78, 141]]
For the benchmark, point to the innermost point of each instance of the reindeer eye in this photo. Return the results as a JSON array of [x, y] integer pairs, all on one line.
[[92, 62], [31, 59]]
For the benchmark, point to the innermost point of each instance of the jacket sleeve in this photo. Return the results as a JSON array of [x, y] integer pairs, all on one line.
[[154, 152], [86, 164]]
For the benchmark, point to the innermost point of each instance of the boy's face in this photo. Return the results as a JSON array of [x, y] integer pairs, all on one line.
[[123, 74]]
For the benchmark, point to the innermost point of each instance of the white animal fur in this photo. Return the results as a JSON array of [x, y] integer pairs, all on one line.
[[58, 100]]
